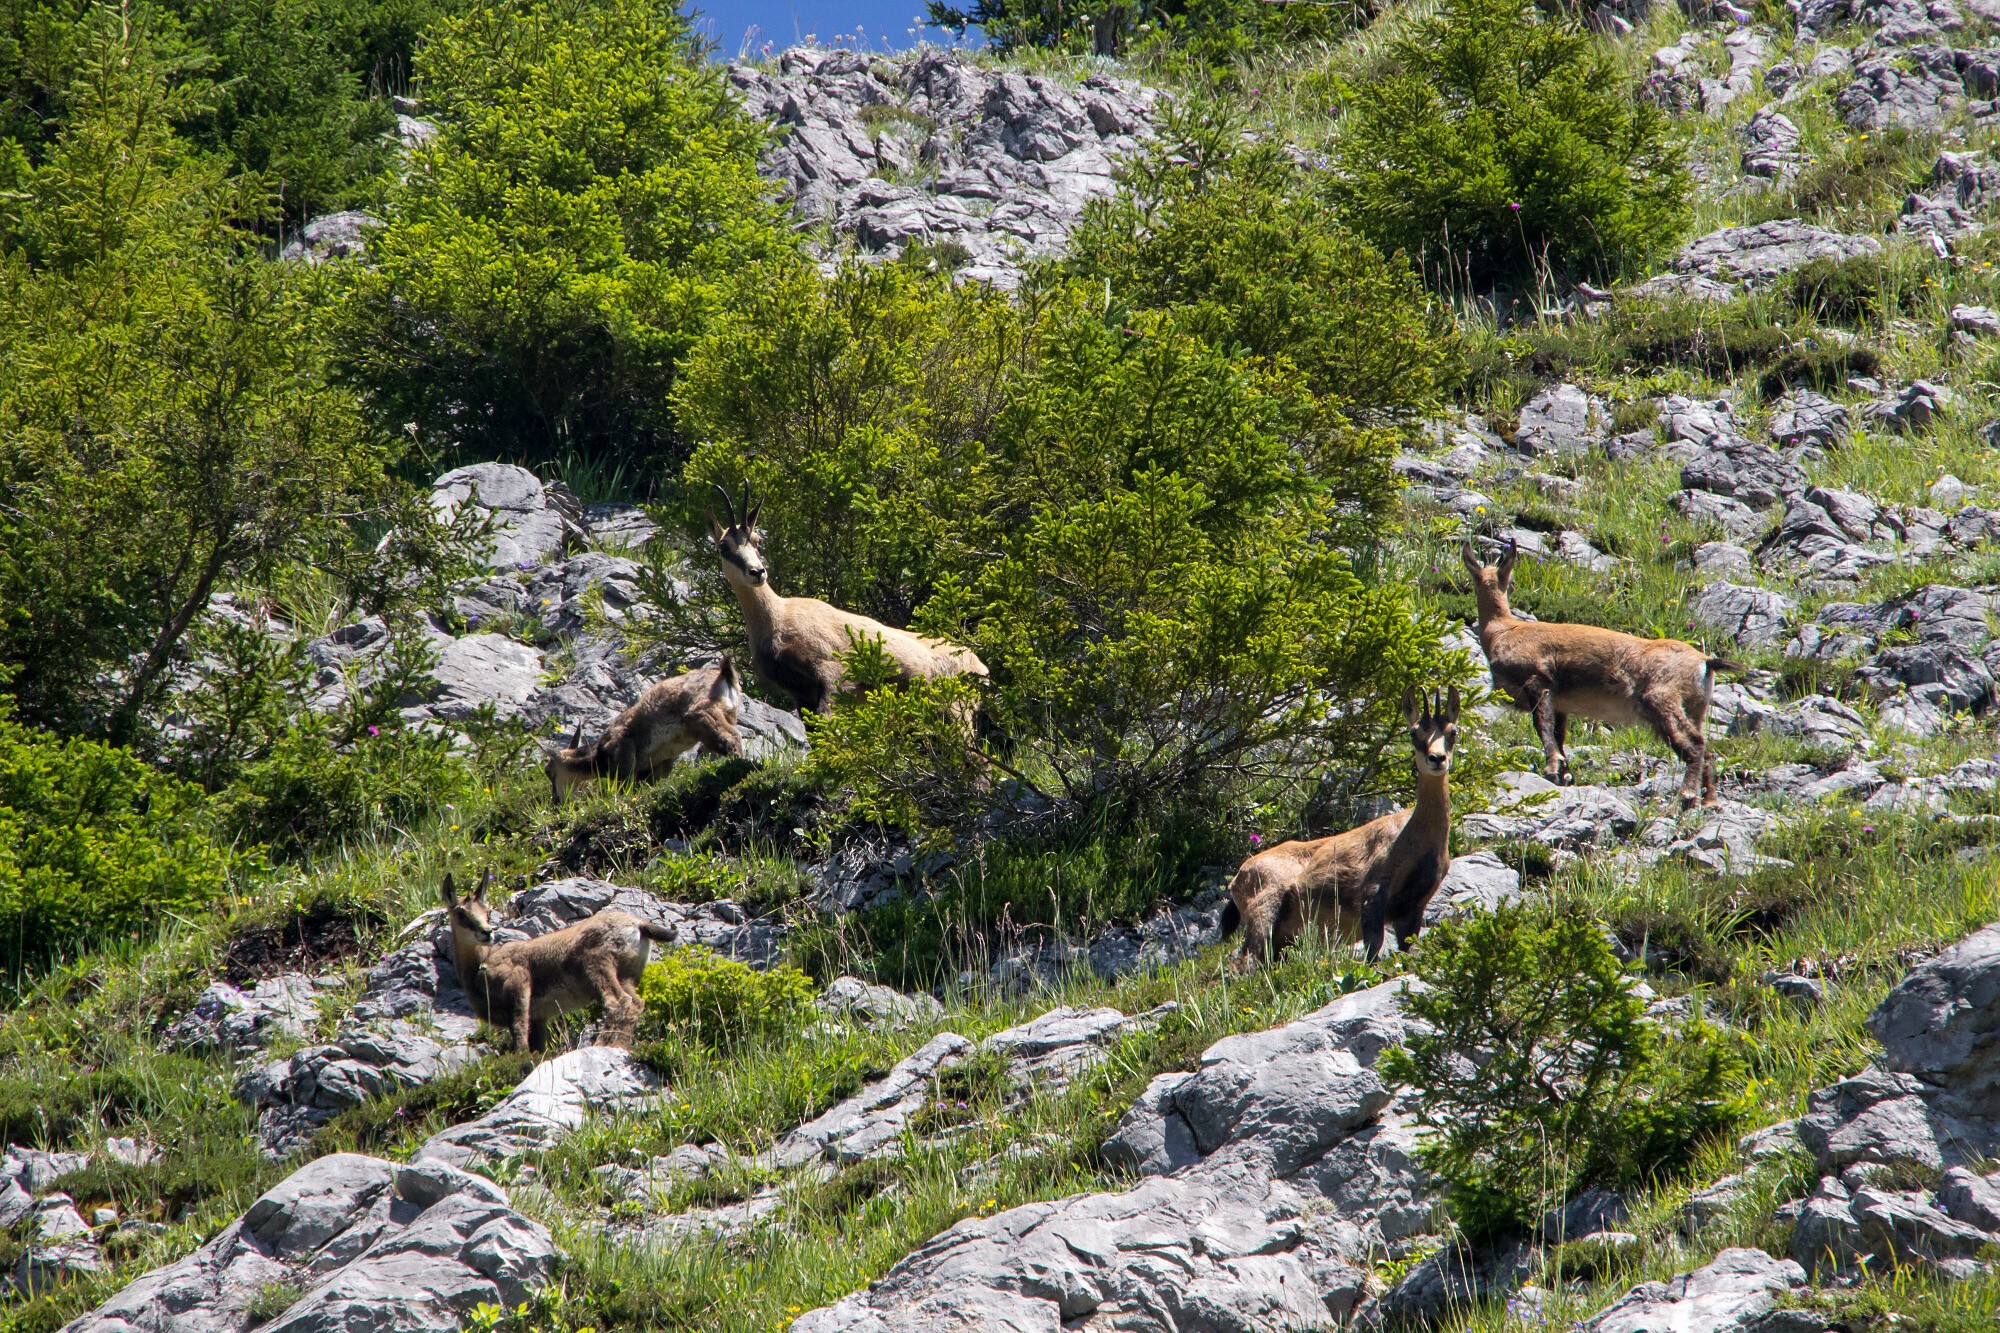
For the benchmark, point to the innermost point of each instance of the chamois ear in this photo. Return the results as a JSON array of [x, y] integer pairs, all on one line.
[[576, 737], [715, 528], [1451, 707], [1472, 564], [725, 677], [1410, 713], [1507, 559], [479, 894], [450, 890]]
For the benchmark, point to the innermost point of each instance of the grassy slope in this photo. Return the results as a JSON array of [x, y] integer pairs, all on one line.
[[80, 1050]]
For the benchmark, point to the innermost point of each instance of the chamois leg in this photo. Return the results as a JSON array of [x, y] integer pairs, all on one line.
[[621, 1005], [524, 1022], [1541, 700], [1689, 744], [1562, 742], [1374, 924]]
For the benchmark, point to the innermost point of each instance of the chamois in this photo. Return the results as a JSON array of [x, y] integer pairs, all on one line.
[[524, 983], [669, 719], [1556, 671], [798, 644], [1358, 883]]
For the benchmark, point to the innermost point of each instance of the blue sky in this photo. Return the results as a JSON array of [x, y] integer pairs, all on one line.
[[785, 22]]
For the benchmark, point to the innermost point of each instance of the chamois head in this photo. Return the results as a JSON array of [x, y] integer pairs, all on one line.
[[566, 765], [740, 544], [472, 917], [1492, 584], [1433, 729]]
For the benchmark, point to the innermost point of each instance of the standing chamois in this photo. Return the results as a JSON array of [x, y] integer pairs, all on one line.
[[1618, 679], [522, 984], [1361, 882], [670, 718], [799, 644]]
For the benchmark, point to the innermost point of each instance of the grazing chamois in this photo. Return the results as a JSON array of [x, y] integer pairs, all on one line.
[[669, 719], [799, 644], [1555, 671], [1362, 882], [522, 984]]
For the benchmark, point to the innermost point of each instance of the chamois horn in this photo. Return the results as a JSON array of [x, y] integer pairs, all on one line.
[[747, 518], [728, 507]]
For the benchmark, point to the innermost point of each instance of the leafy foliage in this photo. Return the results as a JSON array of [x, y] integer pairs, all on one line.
[[1499, 141], [1206, 32], [1541, 1074], [567, 236], [718, 1002], [164, 422], [1226, 229], [95, 844]]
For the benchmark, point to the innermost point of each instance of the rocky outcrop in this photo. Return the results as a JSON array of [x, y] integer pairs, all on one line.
[[551, 1102], [1715, 264], [1732, 1292], [1561, 419], [1270, 1173], [938, 150], [413, 1022], [347, 1242]]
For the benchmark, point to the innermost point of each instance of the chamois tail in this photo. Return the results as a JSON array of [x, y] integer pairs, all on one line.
[[660, 934], [1723, 666], [1232, 921]]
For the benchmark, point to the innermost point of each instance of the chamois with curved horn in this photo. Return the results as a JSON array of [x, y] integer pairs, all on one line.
[[669, 719], [1559, 671], [798, 644], [522, 984], [1366, 881]]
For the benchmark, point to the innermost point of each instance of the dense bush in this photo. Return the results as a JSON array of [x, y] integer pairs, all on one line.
[[1540, 1073], [1214, 32], [718, 1002], [1498, 140], [95, 844], [590, 197], [1225, 229], [164, 424]]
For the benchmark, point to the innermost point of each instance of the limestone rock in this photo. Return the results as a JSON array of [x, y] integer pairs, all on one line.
[[1770, 145], [1756, 474], [1815, 719], [1475, 882], [531, 522], [1729, 1293], [548, 1104], [1914, 407], [332, 236], [1914, 90], [1750, 615], [1561, 419], [876, 1006], [1008, 159], [1757, 255], [365, 1244], [1806, 417], [228, 1019], [483, 669], [1269, 1172]]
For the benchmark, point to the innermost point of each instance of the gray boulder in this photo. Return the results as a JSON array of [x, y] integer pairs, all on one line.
[[1735, 518], [480, 670], [1476, 882], [876, 1006], [1757, 255], [1532, 809], [364, 1243], [1770, 145], [227, 1019], [935, 148], [548, 1104], [332, 236], [1806, 417], [1561, 419], [1978, 320], [1916, 406], [1744, 470], [1270, 1173], [1733, 1291], [1815, 719], [1913, 90], [1750, 615]]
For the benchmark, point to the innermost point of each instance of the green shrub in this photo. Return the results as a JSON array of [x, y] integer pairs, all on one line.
[[1211, 32], [1862, 290], [590, 197], [1540, 1073], [411, 1115], [1226, 230], [1499, 139], [700, 996], [166, 426], [95, 844]]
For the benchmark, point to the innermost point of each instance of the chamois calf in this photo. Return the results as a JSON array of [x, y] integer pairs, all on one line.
[[669, 719], [522, 984], [798, 644], [1361, 882], [1556, 671]]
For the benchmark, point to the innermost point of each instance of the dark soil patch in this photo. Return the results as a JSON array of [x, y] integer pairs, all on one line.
[[597, 845], [322, 934]]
